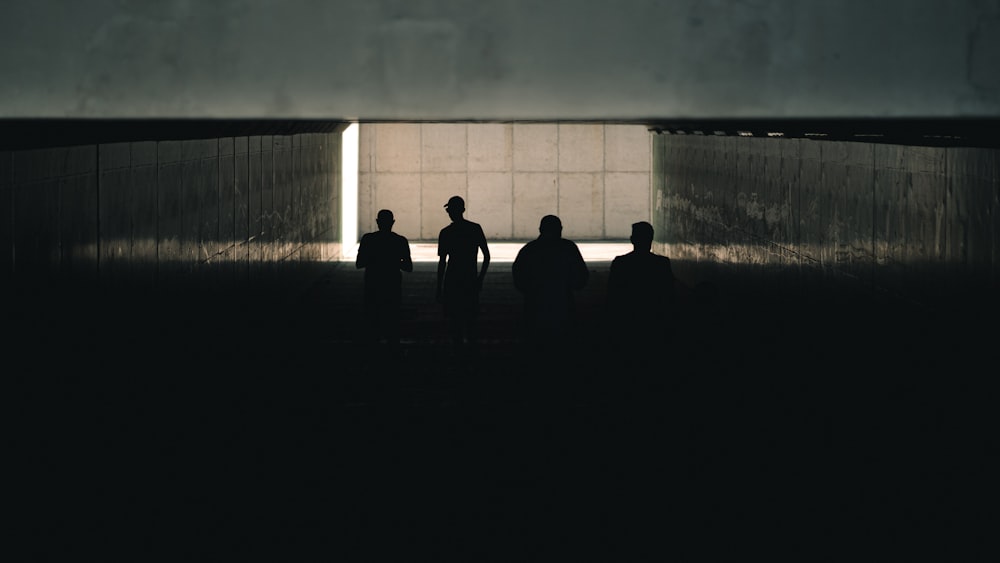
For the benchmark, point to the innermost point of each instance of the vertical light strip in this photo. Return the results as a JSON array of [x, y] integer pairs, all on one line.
[[349, 191]]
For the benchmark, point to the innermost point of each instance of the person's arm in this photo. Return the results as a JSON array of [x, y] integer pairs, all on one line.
[[485, 248], [581, 274], [442, 262], [516, 273], [611, 299], [440, 279], [406, 262], [362, 259]]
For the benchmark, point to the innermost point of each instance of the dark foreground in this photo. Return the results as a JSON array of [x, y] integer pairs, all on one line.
[[738, 438]]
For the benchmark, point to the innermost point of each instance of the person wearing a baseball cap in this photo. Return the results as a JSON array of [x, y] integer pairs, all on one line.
[[458, 281]]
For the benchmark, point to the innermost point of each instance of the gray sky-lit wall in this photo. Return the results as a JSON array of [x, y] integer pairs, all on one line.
[[518, 59]]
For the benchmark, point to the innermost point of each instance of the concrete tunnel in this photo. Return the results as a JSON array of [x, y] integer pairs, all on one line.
[[182, 307]]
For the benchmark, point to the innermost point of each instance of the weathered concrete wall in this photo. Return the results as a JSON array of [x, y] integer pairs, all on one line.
[[595, 177], [229, 213], [510, 60], [916, 225]]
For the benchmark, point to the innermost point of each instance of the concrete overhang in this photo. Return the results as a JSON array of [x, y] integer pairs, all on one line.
[[628, 60]]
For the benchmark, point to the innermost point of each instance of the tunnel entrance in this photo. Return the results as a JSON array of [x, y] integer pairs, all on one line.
[[595, 176]]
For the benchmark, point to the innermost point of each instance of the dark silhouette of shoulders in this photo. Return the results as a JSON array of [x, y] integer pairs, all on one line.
[[461, 240], [643, 268], [556, 263], [382, 250], [640, 284]]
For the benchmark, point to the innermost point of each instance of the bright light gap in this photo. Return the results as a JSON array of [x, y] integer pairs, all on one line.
[[349, 189]]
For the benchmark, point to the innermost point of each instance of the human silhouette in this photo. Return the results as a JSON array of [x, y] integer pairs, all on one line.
[[640, 299], [547, 271], [383, 255], [459, 281]]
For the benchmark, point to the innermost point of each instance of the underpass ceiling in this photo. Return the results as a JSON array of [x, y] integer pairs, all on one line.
[[558, 60]]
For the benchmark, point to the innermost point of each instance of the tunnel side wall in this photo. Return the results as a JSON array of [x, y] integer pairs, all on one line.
[[221, 215], [830, 226]]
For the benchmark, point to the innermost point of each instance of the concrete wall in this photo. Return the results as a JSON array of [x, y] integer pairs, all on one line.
[[392, 60], [212, 214], [594, 176], [774, 218]]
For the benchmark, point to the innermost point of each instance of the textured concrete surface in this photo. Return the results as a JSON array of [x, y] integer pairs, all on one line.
[[915, 224], [442, 60], [229, 212], [595, 176]]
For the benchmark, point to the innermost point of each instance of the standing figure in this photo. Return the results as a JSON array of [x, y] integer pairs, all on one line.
[[458, 281], [547, 271], [384, 255], [640, 300]]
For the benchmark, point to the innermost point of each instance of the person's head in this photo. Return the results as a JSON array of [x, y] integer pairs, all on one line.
[[455, 207], [384, 220], [550, 226], [642, 235]]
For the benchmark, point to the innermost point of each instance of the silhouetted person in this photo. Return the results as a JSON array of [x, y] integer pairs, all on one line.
[[459, 281], [384, 255], [547, 271], [641, 300]]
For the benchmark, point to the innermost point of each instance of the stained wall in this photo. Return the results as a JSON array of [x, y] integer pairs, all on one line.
[[831, 223], [208, 214]]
